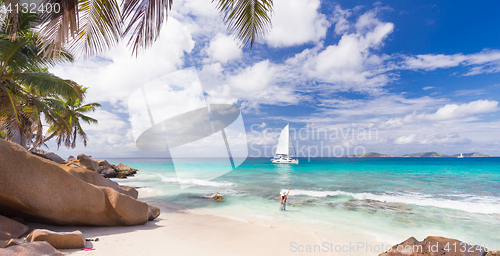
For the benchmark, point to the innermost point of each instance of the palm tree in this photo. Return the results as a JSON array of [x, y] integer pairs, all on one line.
[[26, 85], [92, 26], [71, 110]]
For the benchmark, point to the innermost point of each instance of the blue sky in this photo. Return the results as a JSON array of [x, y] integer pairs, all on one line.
[[424, 75]]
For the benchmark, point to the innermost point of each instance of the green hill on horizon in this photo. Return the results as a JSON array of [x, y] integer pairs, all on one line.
[[370, 154], [426, 154]]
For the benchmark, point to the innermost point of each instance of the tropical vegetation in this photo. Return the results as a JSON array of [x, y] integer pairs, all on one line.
[[30, 96], [92, 26]]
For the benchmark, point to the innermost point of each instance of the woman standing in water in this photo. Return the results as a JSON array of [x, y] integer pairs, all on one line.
[[284, 195]]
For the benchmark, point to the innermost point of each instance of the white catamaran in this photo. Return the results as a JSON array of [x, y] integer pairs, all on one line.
[[283, 148]]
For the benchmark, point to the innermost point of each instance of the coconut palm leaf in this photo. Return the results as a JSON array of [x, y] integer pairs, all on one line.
[[100, 26], [59, 27], [49, 84], [92, 26], [247, 20], [145, 19]]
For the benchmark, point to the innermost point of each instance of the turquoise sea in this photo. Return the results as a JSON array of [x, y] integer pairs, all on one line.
[[388, 199]]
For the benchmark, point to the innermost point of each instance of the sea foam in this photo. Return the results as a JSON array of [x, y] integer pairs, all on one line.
[[473, 204], [196, 182]]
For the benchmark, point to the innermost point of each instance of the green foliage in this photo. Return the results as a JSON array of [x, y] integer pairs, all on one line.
[[92, 26], [27, 89]]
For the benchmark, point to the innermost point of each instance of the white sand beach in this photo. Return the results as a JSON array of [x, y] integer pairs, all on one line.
[[181, 232]]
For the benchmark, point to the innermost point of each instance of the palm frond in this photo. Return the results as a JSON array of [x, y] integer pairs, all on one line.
[[100, 26], [88, 119], [247, 20], [88, 107], [12, 19], [49, 84], [145, 19], [58, 27]]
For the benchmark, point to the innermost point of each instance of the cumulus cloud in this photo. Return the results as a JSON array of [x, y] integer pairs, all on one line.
[[114, 75], [352, 63], [110, 137], [340, 17], [223, 48], [405, 139], [455, 111], [296, 22], [312, 77], [253, 85]]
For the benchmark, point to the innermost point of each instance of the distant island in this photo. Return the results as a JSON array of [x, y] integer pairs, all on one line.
[[425, 154], [370, 154], [422, 154], [436, 154]]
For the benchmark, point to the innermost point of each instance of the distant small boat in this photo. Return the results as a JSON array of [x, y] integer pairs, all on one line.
[[282, 151], [460, 156]]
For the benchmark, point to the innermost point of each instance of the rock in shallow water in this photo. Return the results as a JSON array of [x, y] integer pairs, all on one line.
[[374, 205], [59, 240], [214, 196]]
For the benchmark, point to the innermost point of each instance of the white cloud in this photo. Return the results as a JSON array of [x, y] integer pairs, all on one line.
[[486, 61], [110, 137], [405, 139], [296, 22], [113, 76], [253, 85], [434, 61], [428, 88], [454, 111], [340, 18], [352, 64], [223, 48]]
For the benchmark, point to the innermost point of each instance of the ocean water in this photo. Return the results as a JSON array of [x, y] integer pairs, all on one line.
[[387, 199]]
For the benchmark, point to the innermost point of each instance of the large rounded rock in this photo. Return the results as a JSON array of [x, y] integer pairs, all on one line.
[[108, 172], [87, 162], [47, 155], [123, 167], [102, 162], [31, 249], [11, 229], [43, 191], [435, 246], [59, 240], [153, 212]]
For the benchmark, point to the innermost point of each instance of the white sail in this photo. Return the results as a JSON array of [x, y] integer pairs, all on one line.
[[282, 148]]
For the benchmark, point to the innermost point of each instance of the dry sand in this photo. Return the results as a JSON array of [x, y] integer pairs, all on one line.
[[182, 232]]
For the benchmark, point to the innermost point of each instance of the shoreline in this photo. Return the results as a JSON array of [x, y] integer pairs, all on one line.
[[181, 231]]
